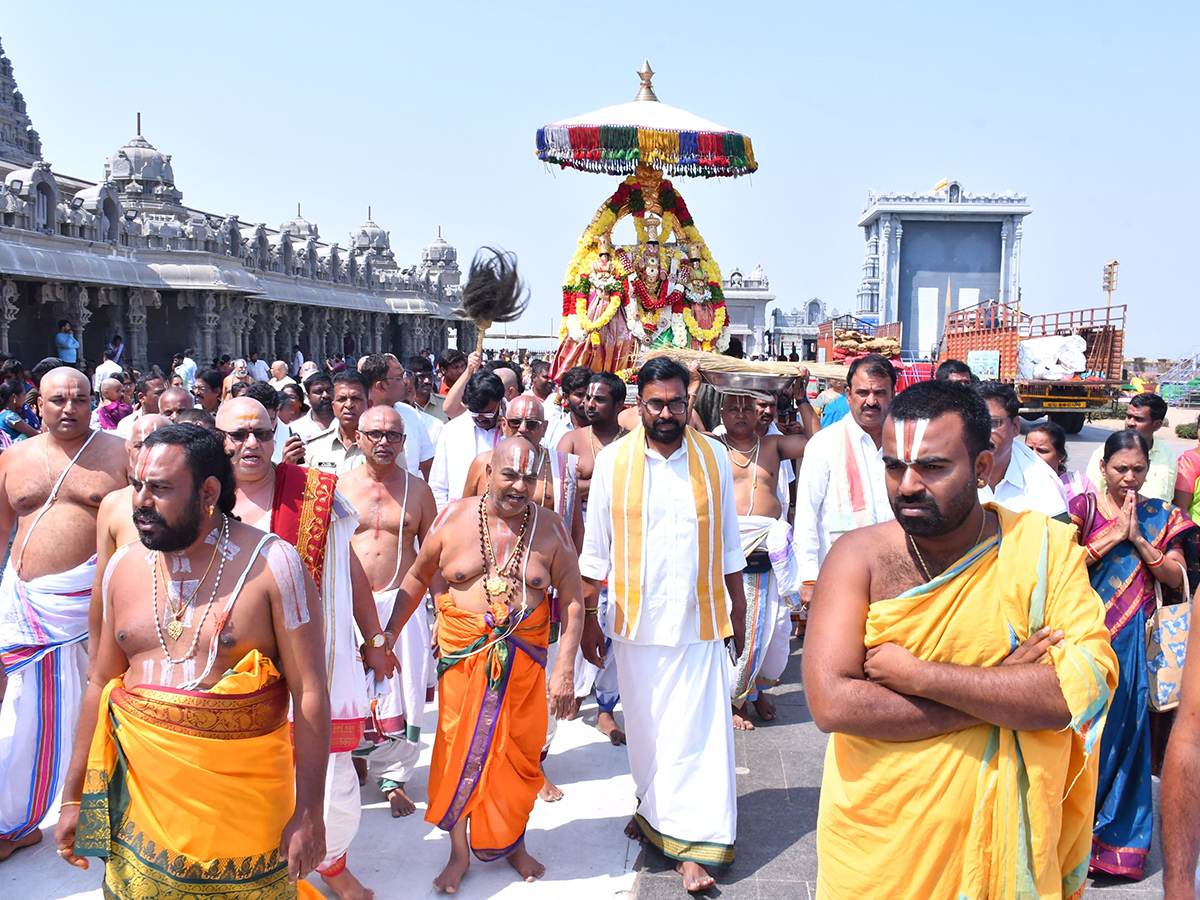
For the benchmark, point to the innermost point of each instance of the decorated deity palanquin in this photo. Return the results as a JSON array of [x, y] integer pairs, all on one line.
[[665, 290]]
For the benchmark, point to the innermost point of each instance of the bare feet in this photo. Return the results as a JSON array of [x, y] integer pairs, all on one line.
[[347, 887], [360, 769], [695, 876], [606, 724], [459, 862], [764, 707], [527, 867], [574, 713], [634, 833], [8, 848], [550, 791], [400, 803], [741, 722], [801, 627]]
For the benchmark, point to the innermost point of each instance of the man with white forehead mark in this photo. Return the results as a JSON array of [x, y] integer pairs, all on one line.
[[186, 716], [304, 508]]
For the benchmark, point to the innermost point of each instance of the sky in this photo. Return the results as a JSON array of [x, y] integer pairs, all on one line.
[[427, 113]]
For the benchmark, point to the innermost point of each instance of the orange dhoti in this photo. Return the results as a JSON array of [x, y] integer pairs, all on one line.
[[491, 724]]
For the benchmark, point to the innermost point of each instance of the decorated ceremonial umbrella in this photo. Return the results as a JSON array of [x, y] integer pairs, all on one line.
[[618, 301], [616, 139]]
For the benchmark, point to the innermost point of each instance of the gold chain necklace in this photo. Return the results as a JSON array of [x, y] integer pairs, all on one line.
[[200, 626], [752, 455], [175, 627], [921, 559], [498, 584], [597, 446]]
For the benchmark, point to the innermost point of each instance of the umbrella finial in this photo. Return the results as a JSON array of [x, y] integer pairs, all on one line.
[[647, 90]]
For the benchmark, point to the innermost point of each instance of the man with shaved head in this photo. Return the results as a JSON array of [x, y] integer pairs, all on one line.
[[396, 510], [51, 486], [175, 400], [555, 487], [500, 555], [303, 507]]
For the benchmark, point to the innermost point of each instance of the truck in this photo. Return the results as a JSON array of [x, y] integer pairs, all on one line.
[[987, 337]]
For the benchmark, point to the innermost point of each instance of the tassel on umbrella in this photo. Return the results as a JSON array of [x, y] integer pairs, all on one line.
[[494, 291]]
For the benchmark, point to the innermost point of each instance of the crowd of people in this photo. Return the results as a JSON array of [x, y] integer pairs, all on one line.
[[231, 591]]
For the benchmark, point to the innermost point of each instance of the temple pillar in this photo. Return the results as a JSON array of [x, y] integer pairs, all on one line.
[[9, 310], [135, 318], [210, 317]]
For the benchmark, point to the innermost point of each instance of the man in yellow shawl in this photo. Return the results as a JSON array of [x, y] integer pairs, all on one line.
[[183, 774], [959, 656]]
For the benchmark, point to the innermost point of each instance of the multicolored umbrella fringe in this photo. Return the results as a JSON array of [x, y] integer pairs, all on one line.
[[619, 149]]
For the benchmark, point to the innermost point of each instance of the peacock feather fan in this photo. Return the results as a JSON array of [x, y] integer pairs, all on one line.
[[494, 291]]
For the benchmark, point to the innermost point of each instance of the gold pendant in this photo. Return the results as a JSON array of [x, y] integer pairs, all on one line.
[[174, 629], [495, 586]]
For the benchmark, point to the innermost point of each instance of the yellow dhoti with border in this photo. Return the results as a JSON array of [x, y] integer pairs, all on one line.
[[985, 812], [187, 792]]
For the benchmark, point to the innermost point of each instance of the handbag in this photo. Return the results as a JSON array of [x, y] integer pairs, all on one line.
[[1166, 646]]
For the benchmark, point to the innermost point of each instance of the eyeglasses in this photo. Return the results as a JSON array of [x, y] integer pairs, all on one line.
[[998, 423], [655, 407], [485, 416], [262, 435], [530, 424], [392, 437]]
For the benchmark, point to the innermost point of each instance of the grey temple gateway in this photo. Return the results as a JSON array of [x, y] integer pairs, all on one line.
[[127, 256]]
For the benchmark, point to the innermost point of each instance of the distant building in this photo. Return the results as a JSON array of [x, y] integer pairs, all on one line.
[[932, 253], [746, 299], [798, 329], [126, 256]]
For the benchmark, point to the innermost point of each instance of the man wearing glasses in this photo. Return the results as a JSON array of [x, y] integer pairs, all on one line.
[[336, 451], [303, 507], [662, 528], [397, 510], [465, 437], [387, 386]]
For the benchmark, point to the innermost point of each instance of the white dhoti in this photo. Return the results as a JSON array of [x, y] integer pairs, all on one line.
[[392, 737], [767, 545], [680, 738], [343, 811], [43, 630]]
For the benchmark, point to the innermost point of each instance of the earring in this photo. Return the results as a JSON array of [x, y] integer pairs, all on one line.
[[210, 509], [981, 482]]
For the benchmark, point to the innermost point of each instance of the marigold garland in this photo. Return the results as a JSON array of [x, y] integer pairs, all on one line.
[[705, 335]]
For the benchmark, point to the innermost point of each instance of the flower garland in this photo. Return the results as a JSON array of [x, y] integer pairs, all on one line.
[[705, 335]]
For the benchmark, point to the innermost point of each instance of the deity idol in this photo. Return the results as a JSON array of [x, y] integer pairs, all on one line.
[[598, 334]]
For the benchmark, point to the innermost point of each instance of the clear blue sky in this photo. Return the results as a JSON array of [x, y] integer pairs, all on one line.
[[428, 112]]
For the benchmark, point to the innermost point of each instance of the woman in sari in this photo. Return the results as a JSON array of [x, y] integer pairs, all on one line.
[[1131, 543]]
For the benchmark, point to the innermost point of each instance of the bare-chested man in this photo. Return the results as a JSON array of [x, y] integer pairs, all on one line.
[[186, 718], [603, 402], [395, 511], [175, 400], [304, 508], [115, 528], [766, 542], [51, 486], [500, 554], [556, 487]]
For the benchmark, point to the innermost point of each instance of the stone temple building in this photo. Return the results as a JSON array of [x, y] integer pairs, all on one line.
[[125, 255], [933, 253], [746, 299]]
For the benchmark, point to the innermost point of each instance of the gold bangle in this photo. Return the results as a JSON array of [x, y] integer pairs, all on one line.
[[591, 612], [69, 803]]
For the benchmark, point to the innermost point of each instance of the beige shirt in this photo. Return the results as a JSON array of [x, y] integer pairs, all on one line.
[[326, 453]]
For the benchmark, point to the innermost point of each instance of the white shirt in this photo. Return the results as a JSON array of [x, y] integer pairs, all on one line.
[[282, 433], [308, 427], [460, 442], [824, 491], [670, 613], [189, 365], [106, 369], [1028, 483], [297, 362], [555, 429], [418, 446], [432, 424], [260, 370]]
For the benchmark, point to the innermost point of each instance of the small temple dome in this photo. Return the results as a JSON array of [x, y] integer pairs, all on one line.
[[439, 251], [299, 227], [370, 236], [139, 161]]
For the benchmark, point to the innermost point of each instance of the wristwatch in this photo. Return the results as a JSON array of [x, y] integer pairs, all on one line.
[[378, 642]]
